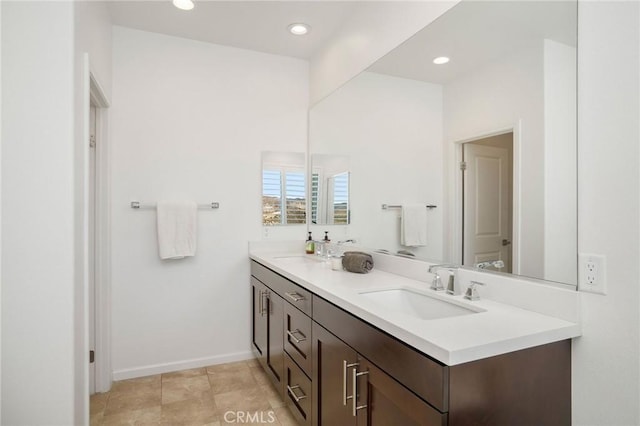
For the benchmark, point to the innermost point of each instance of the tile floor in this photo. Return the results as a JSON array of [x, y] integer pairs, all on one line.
[[202, 396]]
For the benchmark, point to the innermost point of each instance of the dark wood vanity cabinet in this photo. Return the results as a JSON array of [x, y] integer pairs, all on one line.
[[384, 401], [268, 331], [282, 337], [332, 361], [319, 356], [342, 370]]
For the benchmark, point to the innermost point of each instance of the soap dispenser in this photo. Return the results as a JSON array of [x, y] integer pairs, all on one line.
[[310, 247], [326, 246]]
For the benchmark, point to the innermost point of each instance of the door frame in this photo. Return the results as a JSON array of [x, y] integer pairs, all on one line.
[[95, 95], [458, 203]]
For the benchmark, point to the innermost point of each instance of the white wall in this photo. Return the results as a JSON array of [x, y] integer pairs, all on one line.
[[494, 98], [391, 130], [189, 121], [605, 359], [560, 174], [93, 35], [367, 36], [37, 213]]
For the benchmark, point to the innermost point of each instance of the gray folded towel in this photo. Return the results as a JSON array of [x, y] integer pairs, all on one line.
[[357, 261]]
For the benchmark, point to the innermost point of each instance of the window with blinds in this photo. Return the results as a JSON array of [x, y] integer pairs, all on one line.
[[283, 196], [315, 192], [341, 199]]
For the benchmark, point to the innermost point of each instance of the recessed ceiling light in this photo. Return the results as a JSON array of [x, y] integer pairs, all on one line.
[[299, 29], [183, 4], [441, 60]]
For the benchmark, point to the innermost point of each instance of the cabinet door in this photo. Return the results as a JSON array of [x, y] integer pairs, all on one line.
[[275, 352], [383, 401], [332, 364], [259, 320]]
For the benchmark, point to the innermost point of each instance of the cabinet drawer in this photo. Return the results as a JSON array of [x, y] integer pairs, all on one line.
[[289, 291], [424, 376], [297, 337], [298, 392]]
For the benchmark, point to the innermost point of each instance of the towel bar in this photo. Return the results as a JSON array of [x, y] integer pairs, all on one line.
[[139, 205], [391, 206]]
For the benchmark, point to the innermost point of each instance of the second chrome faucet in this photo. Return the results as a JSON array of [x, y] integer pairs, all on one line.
[[436, 283]]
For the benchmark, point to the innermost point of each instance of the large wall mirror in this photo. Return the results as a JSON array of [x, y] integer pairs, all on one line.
[[487, 140]]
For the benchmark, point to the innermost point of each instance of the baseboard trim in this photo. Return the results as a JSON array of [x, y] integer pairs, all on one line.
[[149, 370]]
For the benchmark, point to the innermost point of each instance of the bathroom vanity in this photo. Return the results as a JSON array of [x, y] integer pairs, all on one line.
[[343, 349]]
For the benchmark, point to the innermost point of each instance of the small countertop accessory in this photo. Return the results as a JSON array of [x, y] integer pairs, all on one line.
[[310, 246], [357, 261]]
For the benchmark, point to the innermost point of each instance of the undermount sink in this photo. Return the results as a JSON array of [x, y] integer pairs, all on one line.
[[416, 304]]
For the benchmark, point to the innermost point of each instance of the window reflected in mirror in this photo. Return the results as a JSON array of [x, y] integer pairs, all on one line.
[[284, 200], [330, 190]]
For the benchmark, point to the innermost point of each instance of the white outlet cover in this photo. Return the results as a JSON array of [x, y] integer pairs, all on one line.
[[592, 273]]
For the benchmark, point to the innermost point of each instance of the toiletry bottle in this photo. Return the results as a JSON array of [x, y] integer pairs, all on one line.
[[310, 247], [326, 246]]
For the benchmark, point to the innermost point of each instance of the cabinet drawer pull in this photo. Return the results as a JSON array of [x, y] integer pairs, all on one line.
[[295, 296], [295, 397], [357, 407], [295, 339], [262, 294], [346, 365]]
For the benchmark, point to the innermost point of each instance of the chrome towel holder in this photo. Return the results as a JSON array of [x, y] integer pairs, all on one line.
[[396, 206], [139, 205]]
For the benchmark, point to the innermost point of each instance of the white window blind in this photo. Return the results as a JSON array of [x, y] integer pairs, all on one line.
[[283, 196], [341, 199], [315, 192]]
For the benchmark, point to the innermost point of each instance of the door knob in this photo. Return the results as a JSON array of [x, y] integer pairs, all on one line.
[[506, 242]]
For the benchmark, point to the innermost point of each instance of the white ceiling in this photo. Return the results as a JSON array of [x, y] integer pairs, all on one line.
[[255, 25], [474, 33], [471, 33]]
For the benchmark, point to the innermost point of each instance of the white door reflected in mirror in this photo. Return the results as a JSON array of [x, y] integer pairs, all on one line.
[[488, 207]]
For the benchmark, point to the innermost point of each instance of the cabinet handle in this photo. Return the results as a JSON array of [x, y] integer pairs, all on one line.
[[267, 305], [261, 303], [356, 407], [346, 365], [295, 296], [295, 397], [295, 339]]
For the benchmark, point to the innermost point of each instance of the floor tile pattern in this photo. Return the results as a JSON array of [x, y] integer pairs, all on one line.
[[237, 393]]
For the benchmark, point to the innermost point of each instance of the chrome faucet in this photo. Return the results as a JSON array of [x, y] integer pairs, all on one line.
[[436, 284], [490, 263], [347, 241], [443, 266], [472, 292]]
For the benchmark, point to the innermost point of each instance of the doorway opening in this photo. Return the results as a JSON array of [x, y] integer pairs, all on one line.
[[487, 201], [97, 240]]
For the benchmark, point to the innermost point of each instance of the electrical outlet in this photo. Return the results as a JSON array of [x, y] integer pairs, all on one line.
[[592, 275]]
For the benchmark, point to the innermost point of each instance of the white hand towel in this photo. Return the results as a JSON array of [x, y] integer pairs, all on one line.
[[413, 232], [176, 229]]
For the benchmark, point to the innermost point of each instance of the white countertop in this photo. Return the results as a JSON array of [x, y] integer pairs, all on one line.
[[498, 329]]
